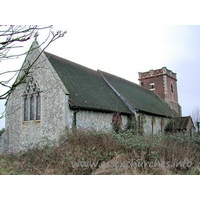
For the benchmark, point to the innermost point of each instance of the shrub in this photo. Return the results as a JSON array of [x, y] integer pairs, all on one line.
[[99, 152]]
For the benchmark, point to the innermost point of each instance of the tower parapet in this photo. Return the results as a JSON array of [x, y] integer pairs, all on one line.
[[158, 72], [164, 83]]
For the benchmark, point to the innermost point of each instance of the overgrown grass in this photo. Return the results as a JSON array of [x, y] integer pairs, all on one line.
[[109, 153]]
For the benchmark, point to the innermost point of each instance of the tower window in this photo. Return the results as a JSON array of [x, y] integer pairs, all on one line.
[[172, 88], [152, 86]]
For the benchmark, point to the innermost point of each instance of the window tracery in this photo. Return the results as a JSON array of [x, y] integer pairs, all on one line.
[[32, 101]]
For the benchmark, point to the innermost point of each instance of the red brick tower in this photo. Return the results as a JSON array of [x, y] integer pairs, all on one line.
[[164, 83]]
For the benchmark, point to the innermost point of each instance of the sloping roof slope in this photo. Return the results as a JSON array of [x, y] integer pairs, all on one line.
[[87, 88], [178, 123], [139, 97]]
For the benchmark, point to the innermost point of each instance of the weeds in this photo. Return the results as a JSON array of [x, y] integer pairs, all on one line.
[[108, 153]]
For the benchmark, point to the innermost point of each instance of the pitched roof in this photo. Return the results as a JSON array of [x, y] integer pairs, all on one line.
[[178, 123], [87, 88], [139, 97]]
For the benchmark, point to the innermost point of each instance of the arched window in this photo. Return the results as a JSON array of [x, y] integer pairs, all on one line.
[[172, 91], [172, 88], [32, 108], [141, 123], [25, 108], [32, 101], [38, 102]]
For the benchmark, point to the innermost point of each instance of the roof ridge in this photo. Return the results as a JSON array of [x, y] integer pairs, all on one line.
[[167, 112], [69, 61], [133, 107], [119, 77], [86, 87], [127, 97], [126, 80], [152, 92]]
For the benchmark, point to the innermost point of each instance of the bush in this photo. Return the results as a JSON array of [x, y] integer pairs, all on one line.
[[106, 152]]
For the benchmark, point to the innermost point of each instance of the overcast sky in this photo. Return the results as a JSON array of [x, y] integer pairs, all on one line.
[[106, 36], [124, 50]]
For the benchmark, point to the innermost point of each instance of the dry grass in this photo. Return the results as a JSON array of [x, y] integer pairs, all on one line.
[[110, 154]]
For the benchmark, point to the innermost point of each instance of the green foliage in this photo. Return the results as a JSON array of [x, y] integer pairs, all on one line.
[[92, 149]]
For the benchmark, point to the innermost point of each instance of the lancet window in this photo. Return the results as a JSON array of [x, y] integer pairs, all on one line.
[[32, 101]]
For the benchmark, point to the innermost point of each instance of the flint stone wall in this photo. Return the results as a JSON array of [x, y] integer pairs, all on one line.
[[56, 116], [157, 127], [25, 134], [98, 121], [4, 142]]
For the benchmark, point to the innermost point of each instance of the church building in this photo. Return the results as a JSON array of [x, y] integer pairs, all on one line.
[[60, 95], [164, 83]]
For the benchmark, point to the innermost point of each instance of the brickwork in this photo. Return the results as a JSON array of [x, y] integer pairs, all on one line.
[[172, 96], [158, 86], [157, 72], [164, 83]]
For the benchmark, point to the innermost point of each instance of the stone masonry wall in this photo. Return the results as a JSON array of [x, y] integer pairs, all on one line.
[[153, 124], [23, 134], [98, 121], [56, 116], [4, 142]]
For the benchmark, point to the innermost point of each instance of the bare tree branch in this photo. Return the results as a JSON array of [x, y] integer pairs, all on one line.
[[10, 37], [15, 34]]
